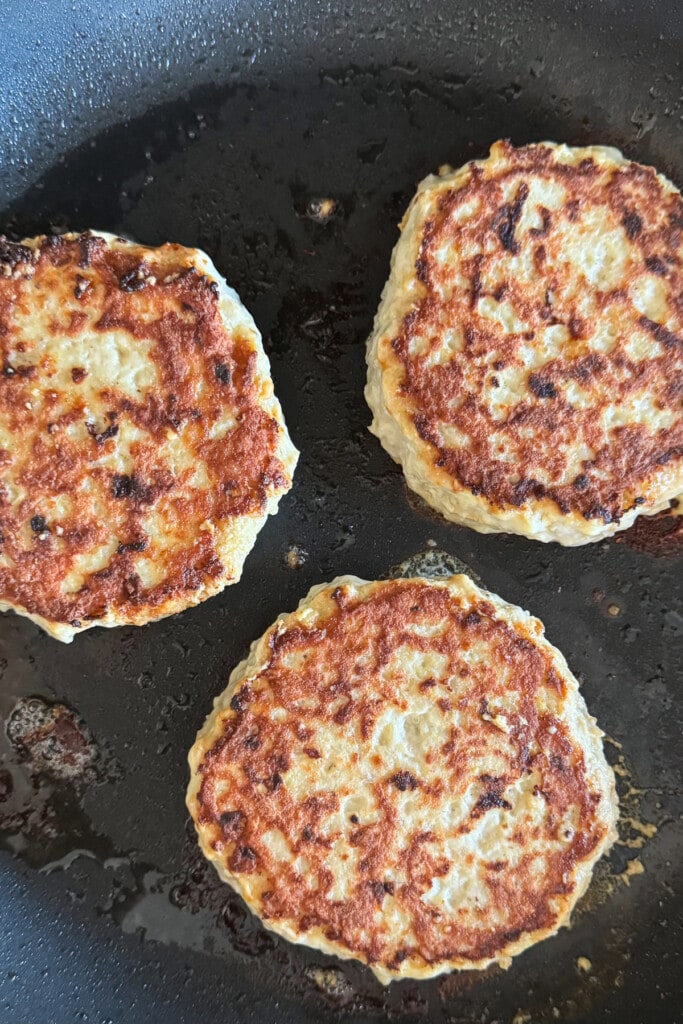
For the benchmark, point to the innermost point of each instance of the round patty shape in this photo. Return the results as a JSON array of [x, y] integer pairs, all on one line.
[[404, 772], [526, 363], [141, 445]]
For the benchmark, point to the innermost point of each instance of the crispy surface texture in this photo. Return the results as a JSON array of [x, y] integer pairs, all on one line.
[[526, 362], [141, 445], [404, 772]]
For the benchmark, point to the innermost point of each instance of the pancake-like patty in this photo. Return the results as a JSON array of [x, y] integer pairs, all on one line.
[[141, 445], [404, 772], [526, 363]]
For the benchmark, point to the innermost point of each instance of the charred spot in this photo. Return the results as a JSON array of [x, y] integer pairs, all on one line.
[[243, 860], [488, 801], [134, 281], [506, 220], [671, 453], [134, 545], [475, 293], [425, 429], [499, 364], [495, 865], [78, 373], [354, 819], [307, 833], [494, 382], [24, 372], [275, 781], [581, 482], [378, 891], [542, 388], [344, 714], [422, 269], [381, 889], [122, 485], [584, 368], [546, 221], [600, 512], [557, 763], [656, 266], [575, 327], [281, 762], [38, 524], [252, 742], [500, 292], [524, 488], [240, 700], [444, 705], [633, 224], [312, 752], [81, 286], [12, 253], [132, 586], [222, 373], [99, 438], [231, 823], [88, 247], [404, 781], [539, 255], [472, 618], [660, 333], [572, 210], [427, 684]]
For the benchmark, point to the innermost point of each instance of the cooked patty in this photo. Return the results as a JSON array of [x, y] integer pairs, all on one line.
[[141, 445], [404, 772], [526, 363]]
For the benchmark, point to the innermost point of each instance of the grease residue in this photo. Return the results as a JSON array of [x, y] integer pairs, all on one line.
[[660, 535], [433, 563]]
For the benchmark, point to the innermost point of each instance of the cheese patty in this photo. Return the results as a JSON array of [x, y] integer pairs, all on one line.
[[526, 363], [404, 772], [141, 445]]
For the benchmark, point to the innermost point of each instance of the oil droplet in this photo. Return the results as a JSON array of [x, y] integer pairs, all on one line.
[[295, 556], [321, 210]]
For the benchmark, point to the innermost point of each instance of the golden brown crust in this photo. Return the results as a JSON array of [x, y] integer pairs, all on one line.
[[58, 455], [525, 453], [504, 739]]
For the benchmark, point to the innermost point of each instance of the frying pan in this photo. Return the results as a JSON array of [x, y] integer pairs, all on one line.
[[223, 125]]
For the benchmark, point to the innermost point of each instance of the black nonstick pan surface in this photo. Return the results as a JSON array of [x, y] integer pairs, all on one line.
[[223, 125]]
